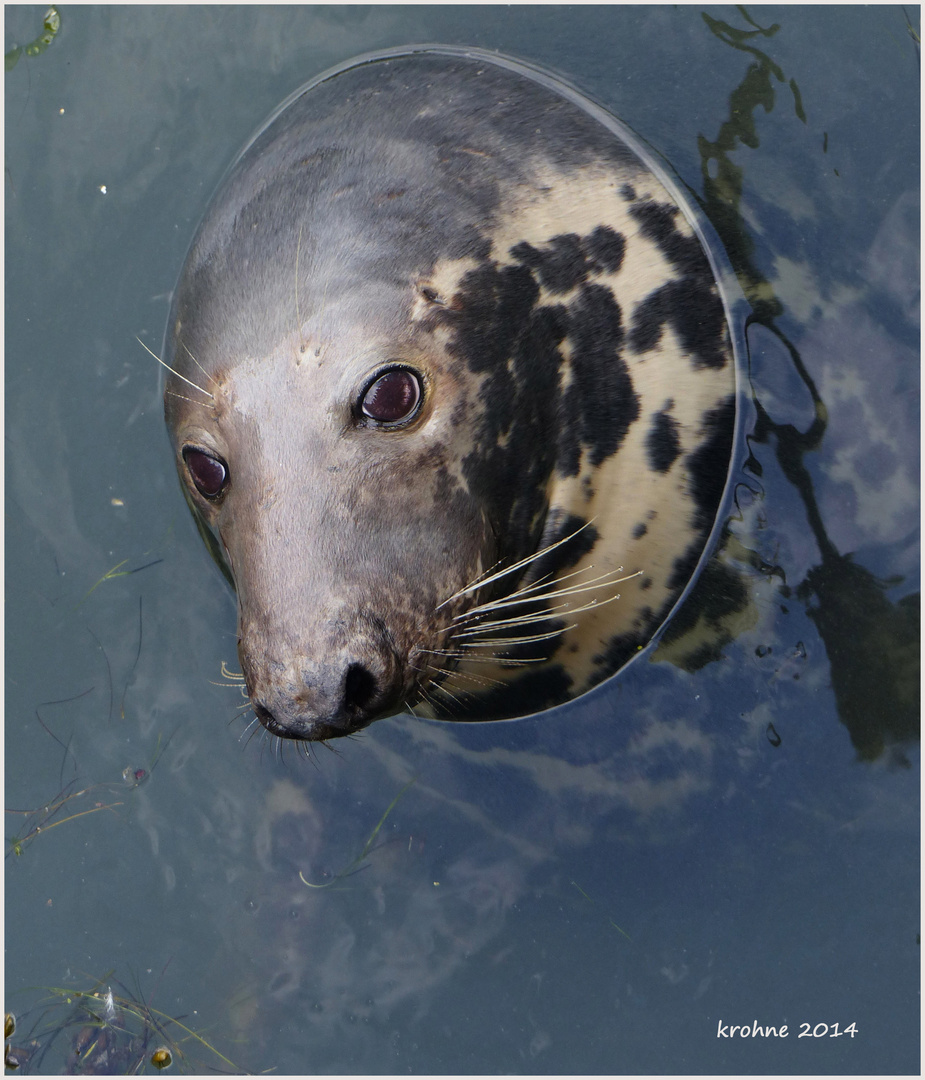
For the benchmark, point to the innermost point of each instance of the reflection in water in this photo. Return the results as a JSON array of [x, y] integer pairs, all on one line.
[[385, 934], [872, 642]]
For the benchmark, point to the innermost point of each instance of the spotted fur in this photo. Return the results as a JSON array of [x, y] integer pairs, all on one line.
[[490, 230]]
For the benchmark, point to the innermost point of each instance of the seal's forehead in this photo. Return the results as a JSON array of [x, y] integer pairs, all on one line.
[[376, 176], [475, 116], [414, 148]]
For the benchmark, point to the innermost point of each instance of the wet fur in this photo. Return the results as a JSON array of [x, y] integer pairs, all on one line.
[[579, 395]]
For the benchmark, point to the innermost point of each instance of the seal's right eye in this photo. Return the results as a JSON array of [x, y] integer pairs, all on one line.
[[209, 474]]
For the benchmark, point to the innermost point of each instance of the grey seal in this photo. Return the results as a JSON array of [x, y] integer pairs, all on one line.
[[452, 394]]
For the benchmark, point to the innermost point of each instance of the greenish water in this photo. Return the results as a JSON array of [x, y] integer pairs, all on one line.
[[724, 835]]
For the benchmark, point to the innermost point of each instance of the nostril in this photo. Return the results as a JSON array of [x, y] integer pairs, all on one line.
[[359, 689], [265, 717]]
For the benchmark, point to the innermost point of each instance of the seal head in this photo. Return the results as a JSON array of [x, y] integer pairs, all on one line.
[[452, 396]]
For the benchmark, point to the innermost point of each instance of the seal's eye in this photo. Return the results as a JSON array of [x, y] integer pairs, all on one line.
[[209, 474], [392, 397]]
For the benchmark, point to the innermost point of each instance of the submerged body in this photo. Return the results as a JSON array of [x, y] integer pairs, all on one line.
[[453, 396]]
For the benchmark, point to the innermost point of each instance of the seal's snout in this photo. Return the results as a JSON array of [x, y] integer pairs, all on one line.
[[312, 701]]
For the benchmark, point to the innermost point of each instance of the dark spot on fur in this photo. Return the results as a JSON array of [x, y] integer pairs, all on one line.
[[640, 531], [619, 650], [663, 444], [690, 303], [560, 265], [685, 564], [605, 248], [657, 223], [708, 466], [489, 314], [719, 592], [628, 192], [693, 310], [600, 403], [558, 526], [644, 617], [709, 463], [533, 692], [565, 261], [499, 331]]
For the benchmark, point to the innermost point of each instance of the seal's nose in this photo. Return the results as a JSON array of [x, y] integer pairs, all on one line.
[[306, 700]]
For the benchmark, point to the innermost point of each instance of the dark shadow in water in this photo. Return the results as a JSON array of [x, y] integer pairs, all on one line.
[[872, 643]]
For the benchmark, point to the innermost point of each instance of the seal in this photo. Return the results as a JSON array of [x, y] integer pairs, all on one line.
[[451, 394]]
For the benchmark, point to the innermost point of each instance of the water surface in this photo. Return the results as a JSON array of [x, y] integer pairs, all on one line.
[[726, 834]]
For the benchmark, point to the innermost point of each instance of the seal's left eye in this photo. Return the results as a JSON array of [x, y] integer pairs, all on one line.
[[209, 474], [393, 397]]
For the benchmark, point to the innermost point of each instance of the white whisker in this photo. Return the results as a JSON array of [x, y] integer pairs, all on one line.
[[524, 620], [173, 371], [247, 733], [449, 694], [515, 640], [433, 704], [570, 590], [468, 657], [182, 397], [480, 680], [522, 595], [196, 362], [514, 620], [517, 566]]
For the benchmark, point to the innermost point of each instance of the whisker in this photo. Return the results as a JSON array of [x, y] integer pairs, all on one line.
[[183, 397], [429, 700], [517, 566], [172, 371], [249, 731], [449, 694], [211, 378], [570, 590], [481, 680], [508, 600], [480, 578], [523, 620], [468, 657], [516, 640], [451, 673], [514, 620], [227, 673]]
